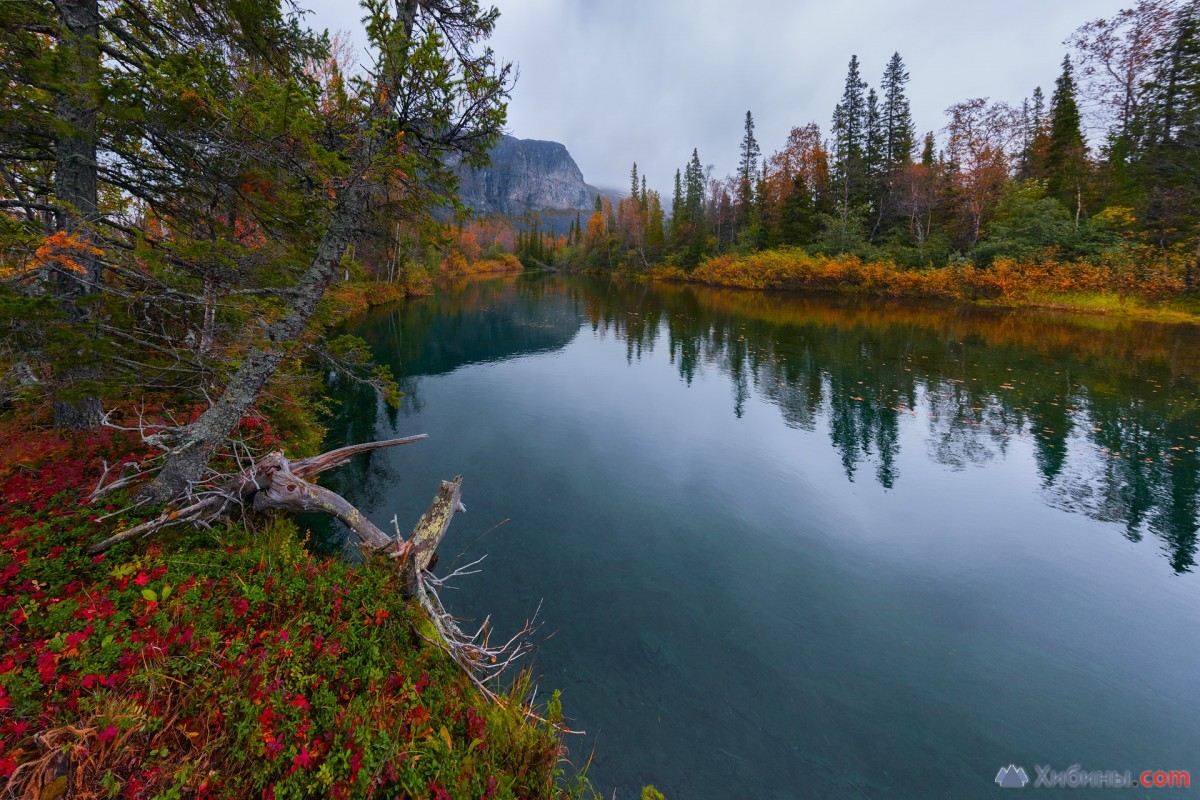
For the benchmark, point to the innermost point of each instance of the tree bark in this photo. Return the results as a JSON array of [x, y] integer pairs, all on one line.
[[278, 484], [75, 185], [429, 532], [186, 462], [82, 414], [286, 491], [76, 168], [289, 492]]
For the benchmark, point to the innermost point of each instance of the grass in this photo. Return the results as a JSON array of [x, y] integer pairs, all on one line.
[[1173, 310]]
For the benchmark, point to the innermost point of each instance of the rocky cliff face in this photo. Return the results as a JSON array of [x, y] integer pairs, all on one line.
[[526, 175]]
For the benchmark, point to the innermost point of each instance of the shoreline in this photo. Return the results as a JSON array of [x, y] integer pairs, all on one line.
[[281, 670], [1086, 290], [1089, 306]]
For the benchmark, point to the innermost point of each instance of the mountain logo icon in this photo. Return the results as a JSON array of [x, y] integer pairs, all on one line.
[[1012, 777]]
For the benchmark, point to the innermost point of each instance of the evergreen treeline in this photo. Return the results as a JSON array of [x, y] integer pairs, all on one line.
[[997, 181], [180, 185]]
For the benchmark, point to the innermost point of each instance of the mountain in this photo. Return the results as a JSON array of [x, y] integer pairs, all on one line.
[[527, 175]]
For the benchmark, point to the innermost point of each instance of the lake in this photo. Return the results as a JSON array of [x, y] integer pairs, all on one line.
[[808, 547]]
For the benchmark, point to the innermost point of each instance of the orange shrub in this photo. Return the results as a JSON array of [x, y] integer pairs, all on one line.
[[456, 264], [1004, 280]]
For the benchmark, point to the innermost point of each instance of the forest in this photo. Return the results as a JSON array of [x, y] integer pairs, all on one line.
[[1091, 187]]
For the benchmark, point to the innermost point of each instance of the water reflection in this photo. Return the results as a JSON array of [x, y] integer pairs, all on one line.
[[1113, 410], [786, 535]]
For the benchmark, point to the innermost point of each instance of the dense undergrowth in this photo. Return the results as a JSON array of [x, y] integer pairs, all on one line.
[[456, 264], [1128, 286], [223, 663]]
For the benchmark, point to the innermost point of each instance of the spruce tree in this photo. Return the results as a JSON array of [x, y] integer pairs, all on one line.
[[929, 151], [797, 216], [899, 131], [1035, 138], [875, 145], [633, 183], [694, 190], [677, 208], [694, 209], [1168, 159], [747, 167], [849, 150], [1066, 151]]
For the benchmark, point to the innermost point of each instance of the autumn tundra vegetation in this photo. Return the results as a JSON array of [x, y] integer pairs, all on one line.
[[1005, 203]]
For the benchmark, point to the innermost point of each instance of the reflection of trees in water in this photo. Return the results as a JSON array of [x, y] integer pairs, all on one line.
[[1111, 414], [471, 322]]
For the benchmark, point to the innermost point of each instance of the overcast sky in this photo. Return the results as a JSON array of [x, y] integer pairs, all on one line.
[[619, 81]]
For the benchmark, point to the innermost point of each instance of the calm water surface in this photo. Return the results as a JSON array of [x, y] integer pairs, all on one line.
[[793, 547]]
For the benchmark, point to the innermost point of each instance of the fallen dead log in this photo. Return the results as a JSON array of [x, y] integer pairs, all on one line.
[[275, 483]]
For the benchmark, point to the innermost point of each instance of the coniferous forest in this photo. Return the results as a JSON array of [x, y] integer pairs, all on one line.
[[1033, 198]]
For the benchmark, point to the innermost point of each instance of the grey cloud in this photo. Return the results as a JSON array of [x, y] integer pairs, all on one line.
[[648, 80]]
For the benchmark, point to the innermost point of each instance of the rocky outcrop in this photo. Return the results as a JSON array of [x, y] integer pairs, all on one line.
[[525, 176]]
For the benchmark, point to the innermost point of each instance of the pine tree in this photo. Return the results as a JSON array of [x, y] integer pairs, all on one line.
[[747, 166], [633, 182], [849, 149], [899, 131], [1066, 152]]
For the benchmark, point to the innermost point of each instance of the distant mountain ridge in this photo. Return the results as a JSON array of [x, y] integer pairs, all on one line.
[[527, 176]]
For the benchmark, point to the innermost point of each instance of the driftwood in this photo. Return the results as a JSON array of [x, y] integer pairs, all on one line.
[[274, 482]]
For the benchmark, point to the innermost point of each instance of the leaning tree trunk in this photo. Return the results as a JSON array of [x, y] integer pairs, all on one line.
[[186, 462], [75, 186]]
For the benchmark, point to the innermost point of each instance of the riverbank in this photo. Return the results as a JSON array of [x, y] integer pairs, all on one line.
[[1120, 289], [229, 662], [223, 663]]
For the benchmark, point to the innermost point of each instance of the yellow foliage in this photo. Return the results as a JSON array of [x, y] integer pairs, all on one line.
[[456, 264], [1005, 280]]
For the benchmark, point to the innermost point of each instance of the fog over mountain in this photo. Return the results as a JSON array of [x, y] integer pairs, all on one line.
[[525, 176]]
